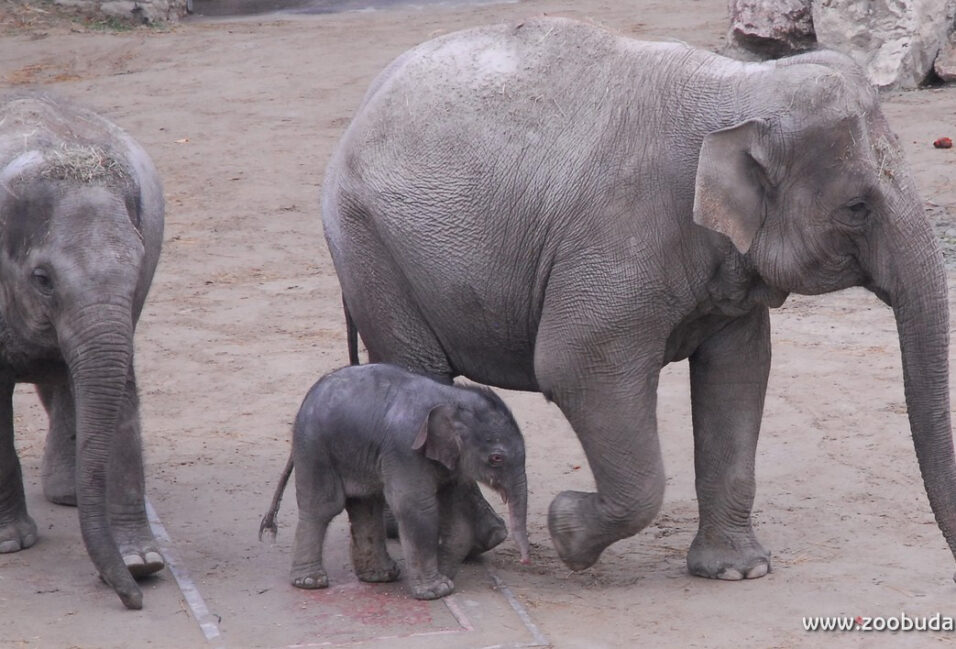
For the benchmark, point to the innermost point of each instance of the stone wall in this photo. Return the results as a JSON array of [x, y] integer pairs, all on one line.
[[134, 11]]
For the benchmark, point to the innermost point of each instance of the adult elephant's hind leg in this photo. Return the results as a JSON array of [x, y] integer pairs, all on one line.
[[126, 491], [59, 454], [613, 413], [728, 374]]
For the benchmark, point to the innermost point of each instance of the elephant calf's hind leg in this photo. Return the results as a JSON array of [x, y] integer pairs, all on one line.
[[370, 558]]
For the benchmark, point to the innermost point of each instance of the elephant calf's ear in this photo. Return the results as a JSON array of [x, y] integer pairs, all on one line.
[[731, 182], [439, 437]]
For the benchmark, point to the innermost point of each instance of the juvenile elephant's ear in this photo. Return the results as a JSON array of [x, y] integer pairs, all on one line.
[[439, 437], [732, 178]]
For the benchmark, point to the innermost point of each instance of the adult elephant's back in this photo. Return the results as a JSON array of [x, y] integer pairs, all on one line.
[[477, 164]]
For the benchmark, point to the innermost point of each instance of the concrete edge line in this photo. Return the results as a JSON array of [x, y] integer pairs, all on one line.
[[538, 638], [208, 623]]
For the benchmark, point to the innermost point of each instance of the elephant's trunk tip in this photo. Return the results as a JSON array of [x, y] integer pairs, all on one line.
[[521, 540]]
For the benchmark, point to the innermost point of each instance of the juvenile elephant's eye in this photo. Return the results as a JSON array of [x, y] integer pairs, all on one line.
[[41, 279], [496, 459]]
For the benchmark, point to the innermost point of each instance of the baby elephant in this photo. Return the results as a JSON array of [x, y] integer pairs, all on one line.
[[367, 435]]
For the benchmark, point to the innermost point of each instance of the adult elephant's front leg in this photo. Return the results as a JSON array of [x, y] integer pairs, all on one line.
[[126, 491], [611, 404], [728, 375]]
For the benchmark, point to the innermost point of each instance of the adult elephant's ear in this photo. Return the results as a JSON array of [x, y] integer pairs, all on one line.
[[733, 180], [439, 437]]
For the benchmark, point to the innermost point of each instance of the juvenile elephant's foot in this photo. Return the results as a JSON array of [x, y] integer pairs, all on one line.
[[139, 549], [727, 557], [310, 577], [59, 487], [432, 588], [575, 528], [142, 562], [379, 574], [18, 535]]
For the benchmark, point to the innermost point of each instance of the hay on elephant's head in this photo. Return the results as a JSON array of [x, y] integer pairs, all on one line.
[[84, 163]]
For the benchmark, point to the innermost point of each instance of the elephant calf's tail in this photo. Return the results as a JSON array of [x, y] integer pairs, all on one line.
[[269, 520], [351, 334]]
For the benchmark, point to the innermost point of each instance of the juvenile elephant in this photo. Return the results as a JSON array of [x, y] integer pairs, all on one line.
[[369, 435], [81, 224], [549, 206]]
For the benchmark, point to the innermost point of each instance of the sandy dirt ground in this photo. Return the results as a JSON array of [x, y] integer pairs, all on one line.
[[241, 116]]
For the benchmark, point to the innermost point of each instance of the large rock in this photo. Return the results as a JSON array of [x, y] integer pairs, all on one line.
[[945, 65], [896, 41], [771, 28], [133, 11]]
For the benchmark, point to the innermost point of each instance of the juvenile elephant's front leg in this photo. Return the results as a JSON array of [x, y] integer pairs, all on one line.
[[728, 375], [126, 491], [17, 529], [59, 453], [126, 488]]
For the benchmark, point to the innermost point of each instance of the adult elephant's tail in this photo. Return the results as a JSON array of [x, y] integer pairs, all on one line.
[[351, 333]]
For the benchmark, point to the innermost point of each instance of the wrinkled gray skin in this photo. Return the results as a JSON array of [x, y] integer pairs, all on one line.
[[370, 435], [551, 207], [81, 223]]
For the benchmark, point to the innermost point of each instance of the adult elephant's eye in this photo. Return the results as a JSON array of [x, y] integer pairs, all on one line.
[[854, 214], [42, 281]]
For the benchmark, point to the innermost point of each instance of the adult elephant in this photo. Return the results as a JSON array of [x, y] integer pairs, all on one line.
[[81, 224], [549, 206]]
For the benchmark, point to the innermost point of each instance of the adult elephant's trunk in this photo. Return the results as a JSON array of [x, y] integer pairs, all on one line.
[[97, 344], [915, 285]]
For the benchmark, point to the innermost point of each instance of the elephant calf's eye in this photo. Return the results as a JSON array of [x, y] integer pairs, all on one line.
[[41, 279], [496, 459]]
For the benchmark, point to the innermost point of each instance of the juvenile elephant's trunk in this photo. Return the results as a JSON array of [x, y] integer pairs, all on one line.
[[915, 286], [97, 347]]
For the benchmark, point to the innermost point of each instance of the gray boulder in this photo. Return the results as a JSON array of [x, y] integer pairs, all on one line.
[[896, 41], [771, 28], [945, 65]]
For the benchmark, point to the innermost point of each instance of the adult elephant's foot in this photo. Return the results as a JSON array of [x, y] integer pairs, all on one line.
[[576, 527], [18, 534], [727, 556]]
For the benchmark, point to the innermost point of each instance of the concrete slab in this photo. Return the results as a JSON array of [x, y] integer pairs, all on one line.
[[51, 595], [259, 608]]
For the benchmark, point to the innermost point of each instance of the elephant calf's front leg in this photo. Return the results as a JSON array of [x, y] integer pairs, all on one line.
[[728, 383], [418, 528]]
